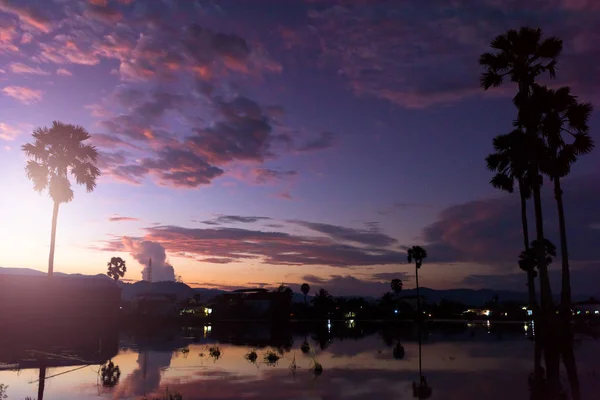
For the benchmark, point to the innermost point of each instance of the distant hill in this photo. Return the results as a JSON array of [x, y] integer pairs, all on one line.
[[183, 291]]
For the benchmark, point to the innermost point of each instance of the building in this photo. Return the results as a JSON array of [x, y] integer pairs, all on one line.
[[256, 304], [155, 304]]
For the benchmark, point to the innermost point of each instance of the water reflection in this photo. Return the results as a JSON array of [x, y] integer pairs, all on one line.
[[360, 361]]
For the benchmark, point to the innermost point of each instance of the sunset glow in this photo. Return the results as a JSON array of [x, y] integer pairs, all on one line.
[[311, 142]]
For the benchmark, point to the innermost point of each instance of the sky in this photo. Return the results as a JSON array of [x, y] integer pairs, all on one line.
[[251, 143]]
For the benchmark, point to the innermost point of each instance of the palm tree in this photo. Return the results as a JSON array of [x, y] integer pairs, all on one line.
[[522, 56], [55, 153], [510, 161], [305, 289], [564, 126], [396, 286], [116, 268], [418, 254]]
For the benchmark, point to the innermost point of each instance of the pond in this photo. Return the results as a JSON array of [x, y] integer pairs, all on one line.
[[254, 361]]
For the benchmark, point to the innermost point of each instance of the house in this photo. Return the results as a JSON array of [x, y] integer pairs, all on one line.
[[252, 304]]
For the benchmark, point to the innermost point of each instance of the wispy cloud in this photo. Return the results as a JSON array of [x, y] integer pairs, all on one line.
[[120, 218], [19, 68], [8, 132], [24, 94], [63, 72]]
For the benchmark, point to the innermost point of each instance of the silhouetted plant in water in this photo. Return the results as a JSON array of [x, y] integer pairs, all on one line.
[[56, 153], [398, 351], [305, 289], [116, 268], [305, 347], [110, 374], [396, 285], [422, 390], [214, 352], [271, 357], [316, 368], [3, 389], [251, 356], [185, 351]]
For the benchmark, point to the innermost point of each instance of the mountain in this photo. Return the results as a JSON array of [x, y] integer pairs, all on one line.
[[182, 291]]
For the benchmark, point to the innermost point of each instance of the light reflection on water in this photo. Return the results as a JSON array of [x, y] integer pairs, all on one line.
[[471, 362]]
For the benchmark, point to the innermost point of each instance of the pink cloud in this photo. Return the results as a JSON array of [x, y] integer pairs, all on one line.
[[20, 68], [8, 132], [63, 72], [23, 94], [28, 14]]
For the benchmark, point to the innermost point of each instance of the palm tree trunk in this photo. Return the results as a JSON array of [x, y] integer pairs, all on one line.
[[53, 239], [545, 288], [41, 383], [418, 296], [530, 274], [565, 297]]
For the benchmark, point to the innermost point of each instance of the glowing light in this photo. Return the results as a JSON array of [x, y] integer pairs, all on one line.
[[486, 313], [328, 325], [529, 312], [395, 311], [596, 312]]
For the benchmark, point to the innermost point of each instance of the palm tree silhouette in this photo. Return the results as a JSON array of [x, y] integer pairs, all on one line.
[[510, 161], [564, 126], [116, 268], [522, 56], [418, 254], [55, 153], [396, 285], [305, 289]]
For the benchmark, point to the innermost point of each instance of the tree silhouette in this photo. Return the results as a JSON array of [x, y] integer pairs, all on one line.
[[305, 289], [564, 126], [510, 162], [528, 259], [522, 56], [285, 289], [116, 268], [56, 153], [323, 301], [396, 285], [417, 254]]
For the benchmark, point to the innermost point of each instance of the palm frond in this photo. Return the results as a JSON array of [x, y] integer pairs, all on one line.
[[38, 174], [490, 79], [60, 189], [503, 182]]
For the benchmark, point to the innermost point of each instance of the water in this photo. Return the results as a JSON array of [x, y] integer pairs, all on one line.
[[458, 361]]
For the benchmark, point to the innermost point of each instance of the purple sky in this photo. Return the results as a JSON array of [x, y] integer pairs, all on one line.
[[251, 143]]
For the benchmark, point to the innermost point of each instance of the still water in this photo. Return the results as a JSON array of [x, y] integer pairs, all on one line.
[[459, 361]]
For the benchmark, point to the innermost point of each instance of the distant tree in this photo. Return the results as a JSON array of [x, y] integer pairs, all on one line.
[[285, 289], [417, 254], [323, 301], [56, 153], [396, 286], [305, 289], [116, 268]]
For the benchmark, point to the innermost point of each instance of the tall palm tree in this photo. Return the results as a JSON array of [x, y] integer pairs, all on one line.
[[417, 254], [510, 161], [55, 154], [522, 56], [396, 285], [564, 126], [116, 268], [305, 289]]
